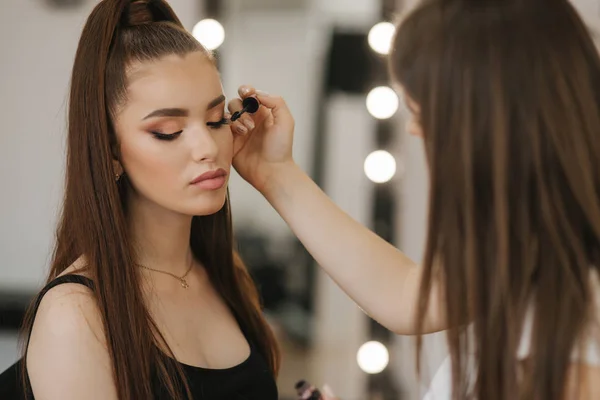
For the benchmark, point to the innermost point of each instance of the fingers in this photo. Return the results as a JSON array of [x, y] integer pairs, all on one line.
[[246, 90], [281, 114], [244, 124], [279, 109], [234, 105]]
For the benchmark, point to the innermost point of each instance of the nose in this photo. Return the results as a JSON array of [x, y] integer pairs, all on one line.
[[203, 145]]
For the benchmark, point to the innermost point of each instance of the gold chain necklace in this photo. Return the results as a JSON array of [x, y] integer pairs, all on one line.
[[181, 279]]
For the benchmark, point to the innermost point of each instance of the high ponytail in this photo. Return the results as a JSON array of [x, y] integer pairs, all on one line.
[[93, 223], [149, 11]]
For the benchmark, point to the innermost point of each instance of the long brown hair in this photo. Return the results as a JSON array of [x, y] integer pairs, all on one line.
[[509, 97], [93, 221]]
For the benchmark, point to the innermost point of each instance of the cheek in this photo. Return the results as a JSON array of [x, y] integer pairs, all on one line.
[[146, 161], [224, 140]]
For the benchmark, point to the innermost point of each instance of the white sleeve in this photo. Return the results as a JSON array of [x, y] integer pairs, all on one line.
[[588, 350], [441, 384]]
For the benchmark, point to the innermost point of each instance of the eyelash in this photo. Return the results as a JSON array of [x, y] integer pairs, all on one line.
[[174, 135], [166, 136], [219, 124]]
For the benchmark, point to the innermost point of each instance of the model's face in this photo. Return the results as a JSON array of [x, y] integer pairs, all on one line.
[[172, 130]]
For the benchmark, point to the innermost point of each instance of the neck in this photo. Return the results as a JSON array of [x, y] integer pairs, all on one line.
[[161, 237]]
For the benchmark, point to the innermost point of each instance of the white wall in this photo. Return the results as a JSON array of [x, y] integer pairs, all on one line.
[[37, 46], [590, 9]]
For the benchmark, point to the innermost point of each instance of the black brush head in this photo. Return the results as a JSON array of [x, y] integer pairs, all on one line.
[[300, 384], [251, 104]]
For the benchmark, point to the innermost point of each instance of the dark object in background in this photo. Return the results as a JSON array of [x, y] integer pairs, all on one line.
[[12, 309], [352, 67], [270, 279]]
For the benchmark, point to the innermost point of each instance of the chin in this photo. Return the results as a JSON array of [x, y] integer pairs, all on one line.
[[207, 207]]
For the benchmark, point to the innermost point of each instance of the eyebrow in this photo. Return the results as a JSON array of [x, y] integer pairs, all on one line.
[[182, 112], [216, 102]]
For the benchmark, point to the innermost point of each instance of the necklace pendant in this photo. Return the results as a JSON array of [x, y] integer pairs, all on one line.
[[184, 284]]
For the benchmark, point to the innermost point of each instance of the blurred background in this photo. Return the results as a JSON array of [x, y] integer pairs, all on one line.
[[327, 59]]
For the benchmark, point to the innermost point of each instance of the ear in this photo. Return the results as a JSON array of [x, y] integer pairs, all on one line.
[[117, 169], [116, 157], [413, 127]]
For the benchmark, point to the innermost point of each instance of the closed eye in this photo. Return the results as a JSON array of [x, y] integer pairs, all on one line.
[[219, 124], [166, 136]]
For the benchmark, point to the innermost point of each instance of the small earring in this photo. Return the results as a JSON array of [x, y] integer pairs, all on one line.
[[117, 177]]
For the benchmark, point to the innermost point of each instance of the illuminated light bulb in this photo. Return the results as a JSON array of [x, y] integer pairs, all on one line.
[[210, 33], [380, 166], [372, 357], [381, 36], [382, 102]]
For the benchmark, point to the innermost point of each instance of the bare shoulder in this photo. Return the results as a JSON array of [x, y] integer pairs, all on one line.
[[67, 356]]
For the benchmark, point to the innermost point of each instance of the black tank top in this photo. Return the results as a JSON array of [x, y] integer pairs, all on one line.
[[250, 380]]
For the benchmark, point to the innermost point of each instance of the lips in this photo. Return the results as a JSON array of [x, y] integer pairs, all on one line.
[[211, 180]]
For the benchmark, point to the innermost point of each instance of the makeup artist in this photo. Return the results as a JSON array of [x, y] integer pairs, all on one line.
[[506, 96]]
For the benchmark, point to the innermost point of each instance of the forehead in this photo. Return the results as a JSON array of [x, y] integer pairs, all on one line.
[[191, 80]]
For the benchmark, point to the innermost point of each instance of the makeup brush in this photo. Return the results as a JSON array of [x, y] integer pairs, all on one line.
[[250, 105]]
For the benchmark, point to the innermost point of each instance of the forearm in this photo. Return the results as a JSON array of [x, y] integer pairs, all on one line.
[[381, 279]]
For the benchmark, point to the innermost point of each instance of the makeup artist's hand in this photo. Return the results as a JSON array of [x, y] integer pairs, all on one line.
[[263, 140]]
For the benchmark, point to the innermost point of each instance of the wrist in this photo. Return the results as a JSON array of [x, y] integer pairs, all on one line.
[[282, 175]]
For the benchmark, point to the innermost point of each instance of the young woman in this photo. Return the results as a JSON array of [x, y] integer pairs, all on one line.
[[506, 95], [146, 297]]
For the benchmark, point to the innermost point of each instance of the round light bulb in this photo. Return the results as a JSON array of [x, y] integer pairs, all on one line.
[[380, 166], [381, 36], [210, 33], [372, 357], [382, 102]]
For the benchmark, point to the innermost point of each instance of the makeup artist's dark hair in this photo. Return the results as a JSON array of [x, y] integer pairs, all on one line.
[[93, 221], [509, 97]]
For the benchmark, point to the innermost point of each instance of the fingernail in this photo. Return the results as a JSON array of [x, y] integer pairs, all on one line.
[[245, 90], [242, 129], [261, 93], [327, 390], [249, 123]]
